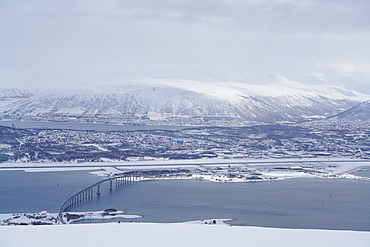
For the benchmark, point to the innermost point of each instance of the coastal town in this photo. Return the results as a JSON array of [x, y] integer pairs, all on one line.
[[256, 142]]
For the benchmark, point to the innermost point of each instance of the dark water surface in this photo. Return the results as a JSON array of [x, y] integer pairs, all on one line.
[[296, 203], [87, 126], [22, 192], [365, 172]]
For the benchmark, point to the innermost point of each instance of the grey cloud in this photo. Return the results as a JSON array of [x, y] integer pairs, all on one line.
[[266, 15], [302, 16], [231, 38]]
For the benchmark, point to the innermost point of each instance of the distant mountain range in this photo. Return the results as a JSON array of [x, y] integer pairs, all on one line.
[[143, 100]]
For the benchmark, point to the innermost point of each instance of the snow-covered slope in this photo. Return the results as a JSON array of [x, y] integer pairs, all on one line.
[[297, 99], [357, 116], [176, 234], [360, 112], [6, 93], [126, 98]]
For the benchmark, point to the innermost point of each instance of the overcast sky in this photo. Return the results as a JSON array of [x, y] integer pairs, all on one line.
[[221, 39]]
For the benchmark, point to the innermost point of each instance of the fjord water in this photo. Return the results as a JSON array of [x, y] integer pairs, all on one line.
[[296, 203], [22, 192], [87, 126]]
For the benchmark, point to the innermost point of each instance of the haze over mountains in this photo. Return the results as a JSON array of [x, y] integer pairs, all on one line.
[[141, 100]]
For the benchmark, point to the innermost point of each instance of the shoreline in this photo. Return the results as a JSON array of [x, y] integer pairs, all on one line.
[[226, 170], [150, 164], [50, 219]]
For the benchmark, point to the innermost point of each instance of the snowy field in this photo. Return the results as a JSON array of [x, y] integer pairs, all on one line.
[[294, 168], [175, 234]]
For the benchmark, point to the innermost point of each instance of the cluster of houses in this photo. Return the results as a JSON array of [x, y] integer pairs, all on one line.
[[258, 142]]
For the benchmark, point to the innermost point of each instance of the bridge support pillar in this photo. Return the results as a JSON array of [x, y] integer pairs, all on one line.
[[98, 193]]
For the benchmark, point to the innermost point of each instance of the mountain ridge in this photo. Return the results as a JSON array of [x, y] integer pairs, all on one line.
[[165, 99]]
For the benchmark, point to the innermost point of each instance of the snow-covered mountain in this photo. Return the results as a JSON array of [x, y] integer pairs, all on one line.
[[360, 112], [297, 99], [356, 116], [13, 93], [125, 99]]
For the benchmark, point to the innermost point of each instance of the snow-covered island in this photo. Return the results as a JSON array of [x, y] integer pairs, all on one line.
[[243, 170]]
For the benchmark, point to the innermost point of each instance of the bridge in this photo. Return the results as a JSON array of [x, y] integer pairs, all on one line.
[[88, 193]]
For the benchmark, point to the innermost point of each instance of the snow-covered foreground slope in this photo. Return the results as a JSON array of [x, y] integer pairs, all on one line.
[[178, 234], [151, 99]]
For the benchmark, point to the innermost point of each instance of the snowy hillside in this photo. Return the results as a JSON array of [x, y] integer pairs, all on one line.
[[297, 99], [357, 116], [360, 112], [141, 99], [14, 93], [176, 234]]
